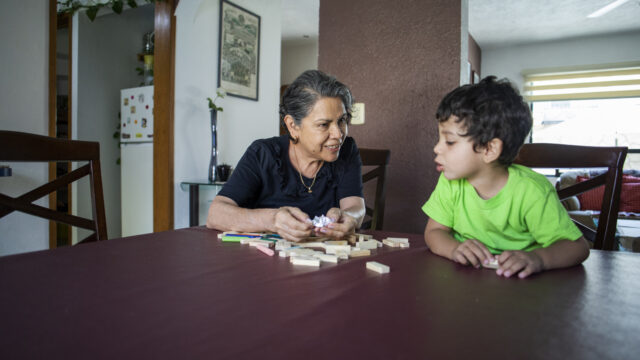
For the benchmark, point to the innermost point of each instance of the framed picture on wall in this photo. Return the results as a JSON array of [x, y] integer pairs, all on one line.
[[239, 52]]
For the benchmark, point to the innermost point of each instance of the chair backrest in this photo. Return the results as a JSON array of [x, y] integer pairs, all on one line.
[[380, 159], [23, 147], [573, 156]]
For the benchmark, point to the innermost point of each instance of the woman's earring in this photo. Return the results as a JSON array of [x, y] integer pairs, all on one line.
[[295, 140]]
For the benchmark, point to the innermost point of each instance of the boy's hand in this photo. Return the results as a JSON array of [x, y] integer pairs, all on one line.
[[471, 252], [523, 263]]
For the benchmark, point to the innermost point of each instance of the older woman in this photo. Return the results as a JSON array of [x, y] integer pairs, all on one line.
[[314, 170]]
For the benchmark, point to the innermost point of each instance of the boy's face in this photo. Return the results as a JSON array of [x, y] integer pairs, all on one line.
[[455, 156]]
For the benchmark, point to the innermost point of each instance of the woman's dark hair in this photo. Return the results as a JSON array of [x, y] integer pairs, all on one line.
[[300, 97], [490, 109]]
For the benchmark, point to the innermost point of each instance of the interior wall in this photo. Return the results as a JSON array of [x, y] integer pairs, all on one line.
[[511, 60], [475, 56], [399, 61], [106, 62], [297, 56], [196, 78], [24, 107]]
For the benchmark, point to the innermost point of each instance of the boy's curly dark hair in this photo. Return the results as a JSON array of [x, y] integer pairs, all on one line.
[[490, 109]]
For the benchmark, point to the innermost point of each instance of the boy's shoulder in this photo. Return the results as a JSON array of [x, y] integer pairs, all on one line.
[[527, 178]]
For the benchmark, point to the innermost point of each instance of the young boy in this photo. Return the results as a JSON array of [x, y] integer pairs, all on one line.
[[485, 208]]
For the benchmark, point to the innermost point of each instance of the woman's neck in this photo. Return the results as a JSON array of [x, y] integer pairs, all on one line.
[[307, 166]]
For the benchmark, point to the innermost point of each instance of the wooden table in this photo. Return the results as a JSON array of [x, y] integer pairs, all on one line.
[[185, 295]]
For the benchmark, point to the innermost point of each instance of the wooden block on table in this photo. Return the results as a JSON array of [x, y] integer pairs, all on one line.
[[326, 257], [305, 260], [265, 250], [492, 264], [257, 242], [332, 249], [312, 245], [390, 243], [399, 240], [367, 244], [336, 242], [378, 267], [358, 253]]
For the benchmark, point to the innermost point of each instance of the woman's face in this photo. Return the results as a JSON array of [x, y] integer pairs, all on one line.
[[322, 132]]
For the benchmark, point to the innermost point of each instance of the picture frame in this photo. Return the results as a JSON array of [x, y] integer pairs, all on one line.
[[239, 51]]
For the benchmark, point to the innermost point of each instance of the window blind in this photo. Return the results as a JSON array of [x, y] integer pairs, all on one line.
[[612, 81]]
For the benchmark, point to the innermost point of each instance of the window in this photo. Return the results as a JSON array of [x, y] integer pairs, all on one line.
[[594, 107]]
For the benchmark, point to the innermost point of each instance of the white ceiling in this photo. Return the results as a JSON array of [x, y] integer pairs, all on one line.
[[495, 23], [300, 18]]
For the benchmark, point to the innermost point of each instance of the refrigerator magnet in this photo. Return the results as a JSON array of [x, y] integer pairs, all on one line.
[[144, 122], [126, 102], [133, 109]]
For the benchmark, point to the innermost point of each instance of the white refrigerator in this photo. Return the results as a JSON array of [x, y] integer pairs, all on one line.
[[136, 160]]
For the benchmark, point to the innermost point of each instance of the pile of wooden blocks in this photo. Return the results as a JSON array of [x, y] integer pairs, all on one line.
[[308, 253]]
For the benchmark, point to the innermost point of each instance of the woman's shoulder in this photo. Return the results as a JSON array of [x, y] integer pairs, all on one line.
[[269, 147]]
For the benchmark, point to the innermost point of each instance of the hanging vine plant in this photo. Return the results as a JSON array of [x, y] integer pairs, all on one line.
[[92, 7]]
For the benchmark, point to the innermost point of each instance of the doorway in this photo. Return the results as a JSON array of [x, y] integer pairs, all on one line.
[[162, 22]]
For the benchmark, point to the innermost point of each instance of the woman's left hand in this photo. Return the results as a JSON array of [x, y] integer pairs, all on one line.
[[343, 224]]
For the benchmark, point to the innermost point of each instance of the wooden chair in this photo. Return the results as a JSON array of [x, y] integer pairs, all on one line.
[[380, 159], [572, 156], [23, 147]]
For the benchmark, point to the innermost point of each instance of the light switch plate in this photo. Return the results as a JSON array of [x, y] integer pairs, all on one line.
[[357, 114]]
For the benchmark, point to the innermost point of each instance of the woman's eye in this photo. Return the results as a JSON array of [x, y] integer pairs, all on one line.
[[450, 142]]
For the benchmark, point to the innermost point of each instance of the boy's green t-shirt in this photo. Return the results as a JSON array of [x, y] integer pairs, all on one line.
[[526, 214]]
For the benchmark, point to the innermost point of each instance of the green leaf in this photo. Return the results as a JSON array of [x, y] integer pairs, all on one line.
[[92, 11], [117, 6], [218, 109], [211, 105], [132, 4]]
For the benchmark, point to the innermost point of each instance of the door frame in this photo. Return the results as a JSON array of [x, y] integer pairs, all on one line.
[[164, 70]]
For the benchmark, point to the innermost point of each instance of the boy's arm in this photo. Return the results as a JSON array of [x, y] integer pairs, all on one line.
[[439, 240], [561, 254]]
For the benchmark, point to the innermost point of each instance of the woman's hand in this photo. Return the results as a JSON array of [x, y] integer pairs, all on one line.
[[292, 224], [343, 224]]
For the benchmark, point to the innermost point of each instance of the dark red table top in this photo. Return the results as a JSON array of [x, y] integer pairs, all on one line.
[[184, 294]]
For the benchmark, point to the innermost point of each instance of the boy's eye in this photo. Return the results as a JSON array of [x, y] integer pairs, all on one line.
[[450, 142]]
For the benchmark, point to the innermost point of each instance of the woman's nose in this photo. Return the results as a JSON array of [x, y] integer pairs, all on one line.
[[336, 131]]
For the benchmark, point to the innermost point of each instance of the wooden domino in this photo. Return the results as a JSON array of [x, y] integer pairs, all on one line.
[[265, 250], [492, 264], [305, 260], [336, 242], [358, 253], [326, 257], [378, 267], [367, 244]]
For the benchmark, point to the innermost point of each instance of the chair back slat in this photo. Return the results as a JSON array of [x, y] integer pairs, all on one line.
[[541, 155], [24, 147], [380, 159]]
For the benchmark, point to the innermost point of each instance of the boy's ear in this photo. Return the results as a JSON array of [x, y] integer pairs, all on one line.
[[492, 151]]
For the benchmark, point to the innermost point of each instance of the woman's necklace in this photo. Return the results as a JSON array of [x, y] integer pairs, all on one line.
[[300, 172]]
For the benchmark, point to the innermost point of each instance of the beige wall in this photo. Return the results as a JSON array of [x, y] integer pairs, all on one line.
[[400, 59]]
